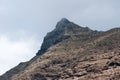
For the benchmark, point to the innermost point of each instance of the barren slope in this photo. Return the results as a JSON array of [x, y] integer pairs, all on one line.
[[83, 55]]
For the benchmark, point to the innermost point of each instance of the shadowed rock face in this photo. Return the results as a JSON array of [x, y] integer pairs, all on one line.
[[54, 36], [64, 30]]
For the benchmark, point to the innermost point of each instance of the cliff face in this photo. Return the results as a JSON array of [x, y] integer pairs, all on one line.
[[72, 52]]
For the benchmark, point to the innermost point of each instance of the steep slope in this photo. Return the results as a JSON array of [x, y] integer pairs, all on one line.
[[74, 53]]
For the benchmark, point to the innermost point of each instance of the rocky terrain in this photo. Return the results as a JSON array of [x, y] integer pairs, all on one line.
[[72, 52]]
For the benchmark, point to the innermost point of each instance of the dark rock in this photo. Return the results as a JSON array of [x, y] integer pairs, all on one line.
[[114, 64], [53, 76], [38, 76]]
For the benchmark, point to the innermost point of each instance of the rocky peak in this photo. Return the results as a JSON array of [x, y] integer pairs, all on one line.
[[55, 36], [62, 24], [64, 29], [65, 24], [64, 20]]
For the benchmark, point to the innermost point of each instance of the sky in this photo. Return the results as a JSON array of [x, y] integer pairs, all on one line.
[[24, 23]]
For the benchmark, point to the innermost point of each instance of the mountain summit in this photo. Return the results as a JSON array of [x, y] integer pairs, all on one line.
[[63, 21], [72, 52], [65, 29], [58, 34]]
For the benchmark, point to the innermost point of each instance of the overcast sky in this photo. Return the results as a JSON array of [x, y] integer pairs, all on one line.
[[24, 23]]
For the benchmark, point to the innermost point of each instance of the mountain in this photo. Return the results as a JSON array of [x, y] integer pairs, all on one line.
[[64, 30], [72, 52]]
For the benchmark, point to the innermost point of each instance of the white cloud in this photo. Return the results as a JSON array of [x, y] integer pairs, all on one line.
[[14, 52]]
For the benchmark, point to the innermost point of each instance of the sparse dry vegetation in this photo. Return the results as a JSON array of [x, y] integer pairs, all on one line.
[[95, 58]]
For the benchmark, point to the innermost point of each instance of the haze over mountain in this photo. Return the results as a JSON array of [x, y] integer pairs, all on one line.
[[73, 52]]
